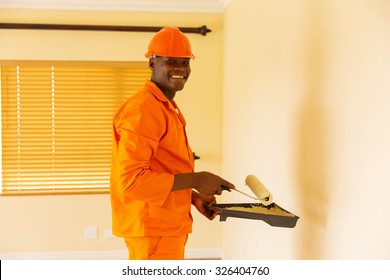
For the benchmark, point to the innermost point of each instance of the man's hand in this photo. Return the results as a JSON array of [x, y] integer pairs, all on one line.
[[201, 202], [204, 182]]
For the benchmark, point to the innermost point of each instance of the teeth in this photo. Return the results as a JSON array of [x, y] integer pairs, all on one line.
[[177, 77]]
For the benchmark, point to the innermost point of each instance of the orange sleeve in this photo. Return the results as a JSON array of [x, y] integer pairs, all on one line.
[[139, 130]]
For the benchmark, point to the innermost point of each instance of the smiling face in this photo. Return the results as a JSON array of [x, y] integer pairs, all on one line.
[[170, 74]]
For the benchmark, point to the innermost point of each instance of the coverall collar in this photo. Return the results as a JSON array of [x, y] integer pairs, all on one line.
[[155, 90]]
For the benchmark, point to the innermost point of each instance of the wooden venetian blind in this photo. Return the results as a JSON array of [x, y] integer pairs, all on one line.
[[57, 125]]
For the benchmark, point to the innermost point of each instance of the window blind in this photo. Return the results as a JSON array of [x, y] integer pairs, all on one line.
[[57, 125]]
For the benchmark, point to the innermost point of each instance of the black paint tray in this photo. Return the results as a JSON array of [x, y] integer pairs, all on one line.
[[272, 214]]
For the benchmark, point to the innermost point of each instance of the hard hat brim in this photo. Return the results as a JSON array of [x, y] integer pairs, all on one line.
[[150, 55]]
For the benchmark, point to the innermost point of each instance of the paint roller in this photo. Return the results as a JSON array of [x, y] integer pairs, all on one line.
[[259, 189]]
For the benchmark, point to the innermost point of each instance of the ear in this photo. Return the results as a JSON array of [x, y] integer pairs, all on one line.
[[151, 64]]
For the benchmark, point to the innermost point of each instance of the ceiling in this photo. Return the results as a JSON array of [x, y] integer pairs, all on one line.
[[196, 6]]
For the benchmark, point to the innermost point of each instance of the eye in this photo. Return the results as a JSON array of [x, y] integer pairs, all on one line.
[[171, 61]]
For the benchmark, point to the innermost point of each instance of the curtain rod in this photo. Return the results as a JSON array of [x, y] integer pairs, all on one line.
[[202, 30]]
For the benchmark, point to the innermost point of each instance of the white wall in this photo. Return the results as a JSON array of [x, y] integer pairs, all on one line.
[[306, 109]]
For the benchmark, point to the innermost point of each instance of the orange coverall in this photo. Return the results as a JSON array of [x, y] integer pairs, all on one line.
[[149, 146]]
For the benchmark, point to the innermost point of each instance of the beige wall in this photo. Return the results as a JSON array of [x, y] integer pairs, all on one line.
[[56, 223], [306, 109]]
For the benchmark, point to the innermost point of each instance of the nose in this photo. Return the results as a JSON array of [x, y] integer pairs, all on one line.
[[179, 67]]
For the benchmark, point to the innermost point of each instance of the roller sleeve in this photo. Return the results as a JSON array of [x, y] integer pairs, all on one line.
[[259, 189]]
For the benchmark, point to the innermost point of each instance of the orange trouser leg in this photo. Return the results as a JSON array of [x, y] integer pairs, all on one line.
[[156, 247]]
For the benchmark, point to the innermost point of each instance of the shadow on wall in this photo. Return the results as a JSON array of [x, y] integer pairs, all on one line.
[[312, 146], [312, 180]]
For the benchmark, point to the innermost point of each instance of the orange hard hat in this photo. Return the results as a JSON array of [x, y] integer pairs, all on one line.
[[170, 42]]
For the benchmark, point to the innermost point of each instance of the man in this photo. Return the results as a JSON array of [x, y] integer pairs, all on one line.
[[153, 182]]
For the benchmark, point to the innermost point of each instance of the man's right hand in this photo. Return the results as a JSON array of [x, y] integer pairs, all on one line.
[[204, 182]]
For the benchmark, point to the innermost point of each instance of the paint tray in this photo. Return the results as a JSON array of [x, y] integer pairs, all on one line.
[[272, 214]]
